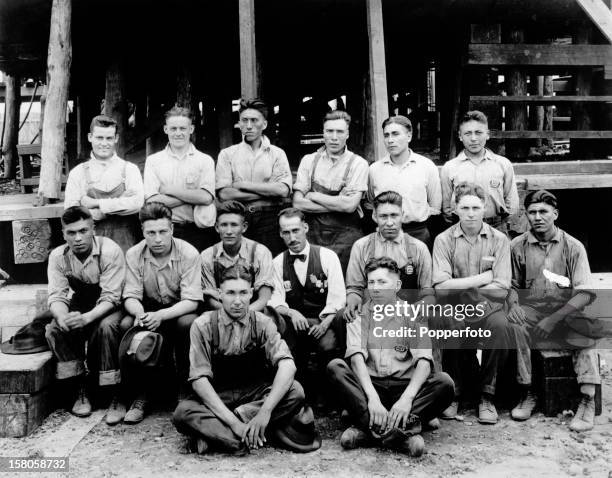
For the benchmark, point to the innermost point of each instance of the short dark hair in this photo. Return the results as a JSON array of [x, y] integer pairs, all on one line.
[[232, 207], [236, 271], [382, 263], [338, 115], [154, 210], [254, 104], [388, 197], [469, 189], [102, 121], [75, 214], [474, 115], [541, 195], [179, 111], [398, 119], [292, 212]]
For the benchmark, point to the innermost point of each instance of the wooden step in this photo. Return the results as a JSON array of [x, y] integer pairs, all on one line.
[[543, 99], [497, 134]]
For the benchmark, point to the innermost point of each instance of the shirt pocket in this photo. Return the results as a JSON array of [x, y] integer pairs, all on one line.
[[192, 179]]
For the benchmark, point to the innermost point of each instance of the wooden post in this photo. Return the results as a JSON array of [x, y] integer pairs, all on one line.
[[184, 91], [224, 119], [59, 59], [548, 110], [249, 87], [582, 112], [115, 103], [12, 105], [536, 112], [377, 101], [516, 114]]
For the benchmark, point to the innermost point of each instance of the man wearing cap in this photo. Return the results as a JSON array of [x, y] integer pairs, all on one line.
[[550, 271], [183, 178], [256, 173], [329, 186], [85, 277], [242, 375], [234, 248], [471, 265], [478, 165], [161, 294], [309, 290], [108, 186], [387, 384], [413, 176]]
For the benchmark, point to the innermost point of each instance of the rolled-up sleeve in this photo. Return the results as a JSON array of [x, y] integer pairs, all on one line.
[[58, 287], [263, 268], [434, 191], [151, 179], [502, 271], [134, 280], [354, 339], [207, 175], [281, 173], [442, 260], [336, 292], [133, 198], [200, 352], [278, 297], [208, 273], [517, 263], [580, 268], [446, 187], [355, 273], [275, 347], [74, 188], [223, 173], [358, 178], [302, 180], [511, 198], [191, 282], [112, 275]]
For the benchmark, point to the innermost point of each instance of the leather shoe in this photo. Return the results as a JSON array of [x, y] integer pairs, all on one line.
[[136, 412], [82, 405], [354, 437], [487, 414], [525, 407], [584, 419], [115, 413], [450, 413]]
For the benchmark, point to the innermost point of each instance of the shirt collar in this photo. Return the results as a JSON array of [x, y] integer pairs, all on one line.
[[336, 158], [398, 240], [305, 251], [171, 153], [487, 155], [411, 159], [532, 239], [226, 320], [174, 254], [265, 144], [113, 159], [242, 252], [95, 250], [484, 231]]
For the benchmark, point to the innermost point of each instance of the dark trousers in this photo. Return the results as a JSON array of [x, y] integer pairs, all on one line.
[[102, 338], [193, 418], [435, 395], [420, 231], [263, 227], [200, 238]]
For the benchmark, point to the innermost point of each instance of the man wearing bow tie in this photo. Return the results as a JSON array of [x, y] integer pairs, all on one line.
[[309, 290]]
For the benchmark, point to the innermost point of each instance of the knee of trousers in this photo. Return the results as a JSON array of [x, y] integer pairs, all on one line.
[[52, 332], [108, 327], [183, 323], [444, 382], [296, 392], [336, 368]]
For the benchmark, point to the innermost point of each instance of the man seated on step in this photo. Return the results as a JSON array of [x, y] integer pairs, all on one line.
[[242, 375], [471, 265], [234, 248], [387, 384], [551, 272], [86, 278], [162, 293], [309, 291]]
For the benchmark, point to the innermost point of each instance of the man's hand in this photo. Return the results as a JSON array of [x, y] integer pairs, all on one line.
[[353, 307], [152, 320], [254, 434], [516, 315], [488, 276], [544, 328], [318, 331], [399, 413], [241, 184], [76, 320], [89, 202], [379, 415], [238, 428], [61, 322], [299, 321], [311, 195]]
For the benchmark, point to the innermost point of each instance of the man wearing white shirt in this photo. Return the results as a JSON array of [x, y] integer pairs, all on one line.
[[309, 289], [111, 188]]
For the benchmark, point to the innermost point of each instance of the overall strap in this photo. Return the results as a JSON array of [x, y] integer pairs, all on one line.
[[252, 255], [253, 324], [408, 248], [123, 172], [67, 264], [348, 169], [87, 174], [214, 327], [371, 247], [315, 163]]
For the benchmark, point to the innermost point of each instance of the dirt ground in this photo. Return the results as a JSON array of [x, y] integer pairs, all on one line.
[[542, 447]]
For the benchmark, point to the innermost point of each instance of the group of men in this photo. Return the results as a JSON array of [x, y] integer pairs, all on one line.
[[244, 316]]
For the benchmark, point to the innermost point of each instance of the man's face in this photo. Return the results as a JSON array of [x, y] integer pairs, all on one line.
[[470, 210], [230, 227], [293, 231], [179, 130], [335, 134], [103, 141], [235, 295], [397, 138], [389, 220], [252, 125], [158, 236], [383, 285], [542, 217], [474, 136], [79, 236]]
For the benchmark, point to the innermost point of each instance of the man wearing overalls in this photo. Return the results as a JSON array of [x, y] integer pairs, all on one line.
[[550, 269], [309, 290], [242, 374], [471, 264], [329, 187], [111, 188], [183, 178], [162, 292], [92, 269], [390, 241], [478, 165], [256, 173]]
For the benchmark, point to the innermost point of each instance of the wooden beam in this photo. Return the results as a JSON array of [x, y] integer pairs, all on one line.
[[11, 125], [378, 100], [550, 134], [591, 166], [538, 99], [516, 113], [601, 15], [249, 87], [115, 102], [568, 181], [582, 113], [59, 59], [26, 92]]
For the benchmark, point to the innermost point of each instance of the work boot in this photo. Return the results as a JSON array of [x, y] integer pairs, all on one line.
[[414, 446], [116, 412], [82, 405], [585, 415], [200, 446], [525, 407], [450, 413], [136, 412], [487, 414], [354, 437]]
